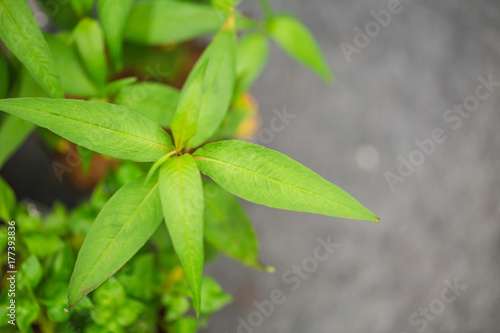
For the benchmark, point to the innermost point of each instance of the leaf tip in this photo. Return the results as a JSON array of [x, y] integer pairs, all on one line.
[[270, 269]]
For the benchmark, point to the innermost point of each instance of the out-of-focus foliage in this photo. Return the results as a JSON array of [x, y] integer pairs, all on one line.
[[148, 292]]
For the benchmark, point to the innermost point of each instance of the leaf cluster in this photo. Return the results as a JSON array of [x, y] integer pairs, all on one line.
[[75, 84]]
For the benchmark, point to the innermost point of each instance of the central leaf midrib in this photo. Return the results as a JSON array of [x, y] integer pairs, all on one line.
[[278, 182], [184, 220], [127, 221], [133, 137], [36, 60]]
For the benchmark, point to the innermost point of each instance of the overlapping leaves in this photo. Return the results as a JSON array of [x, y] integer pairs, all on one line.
[[193, 209]]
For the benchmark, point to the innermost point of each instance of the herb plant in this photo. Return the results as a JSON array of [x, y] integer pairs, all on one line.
[[75, 84]]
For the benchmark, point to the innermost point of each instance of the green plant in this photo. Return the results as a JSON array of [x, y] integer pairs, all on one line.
[[148, 292], [110, 113]]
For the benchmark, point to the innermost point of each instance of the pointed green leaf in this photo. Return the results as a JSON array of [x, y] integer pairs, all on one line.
[[113, 15], [74, 78], [182, 201], [219, 82], [227, 226], [158, 22], [184, 124], [154, 100], [22, 36], [89, 39], [251, 58], [297, 41], [269, 178], [105, 128], [13, 132], [122, 227]]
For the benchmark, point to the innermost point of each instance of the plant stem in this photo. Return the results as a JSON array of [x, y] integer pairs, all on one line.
[[158, 163]]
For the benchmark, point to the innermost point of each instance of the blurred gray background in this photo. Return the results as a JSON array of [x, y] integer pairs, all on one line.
[[441, 223]]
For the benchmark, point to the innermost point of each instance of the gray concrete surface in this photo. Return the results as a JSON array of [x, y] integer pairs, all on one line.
[[441, 223]]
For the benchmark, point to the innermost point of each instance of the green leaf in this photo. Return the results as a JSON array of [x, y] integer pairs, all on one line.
[[55, 221], [177, 306], [81, 7], [30, 272], [122, 227], [89, 39], [224, 5], [154, 100], [227, 227], [184, 325], [26, 86], [3, 237], [60, 13], [7, 201], [111, 293], [138, 277], [251, 58], [105, 128], [184, 124], [61, 265], [219, 82], [297, 41], [54, 293], [27, 309], [129, 312], [182, 201], [4, 77], [214, 298], [128, 172], [22, 36], [113, 15], [269, 178], [115, 87], [13, 132], [159, 22], [74, 79], [42, 245]]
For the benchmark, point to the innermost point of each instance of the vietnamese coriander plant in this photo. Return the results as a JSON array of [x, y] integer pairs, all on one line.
[[185, 138]]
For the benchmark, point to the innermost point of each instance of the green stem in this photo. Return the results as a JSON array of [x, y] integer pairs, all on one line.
[[158, 163]]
